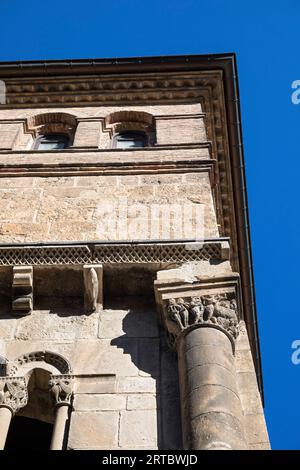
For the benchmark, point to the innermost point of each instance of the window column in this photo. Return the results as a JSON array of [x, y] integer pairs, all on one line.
[[13, 396], [61, 387]]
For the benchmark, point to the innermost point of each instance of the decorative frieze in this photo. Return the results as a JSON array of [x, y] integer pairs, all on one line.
[[126, 252], [22, 290], [13, 393]]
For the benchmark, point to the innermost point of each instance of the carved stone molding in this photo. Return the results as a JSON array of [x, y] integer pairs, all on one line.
[[56, 360], [212, 310], [13, 393], [61, 387], [22, 290], [127, 252]]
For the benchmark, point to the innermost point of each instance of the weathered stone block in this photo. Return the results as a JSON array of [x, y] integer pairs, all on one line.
[[136, 385], [138, 428], [101, 402], [114, 324], [93, 430], [142, 401]]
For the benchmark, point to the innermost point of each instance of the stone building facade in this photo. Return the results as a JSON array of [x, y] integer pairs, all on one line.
[[127, 303]]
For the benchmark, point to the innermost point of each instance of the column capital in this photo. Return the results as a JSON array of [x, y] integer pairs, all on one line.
[[13, 393], [61, 388], [207, 302]]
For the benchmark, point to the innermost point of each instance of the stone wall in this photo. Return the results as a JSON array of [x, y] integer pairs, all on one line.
[[106, 208], [139, 408]]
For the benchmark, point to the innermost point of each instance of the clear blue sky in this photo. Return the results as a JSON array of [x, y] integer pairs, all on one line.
[[265, 35]]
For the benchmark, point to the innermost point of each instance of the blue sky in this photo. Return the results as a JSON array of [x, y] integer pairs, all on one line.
[[265, 36]]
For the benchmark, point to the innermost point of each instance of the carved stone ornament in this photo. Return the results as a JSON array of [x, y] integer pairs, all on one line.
[[61, 387], [214, 309], [13, 393]]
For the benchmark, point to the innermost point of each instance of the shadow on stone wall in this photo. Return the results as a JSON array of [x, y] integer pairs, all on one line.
[[146, 344]]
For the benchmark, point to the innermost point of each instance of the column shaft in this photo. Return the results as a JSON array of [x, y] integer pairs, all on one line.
[[5, 419], [61, 418], [210, 406]]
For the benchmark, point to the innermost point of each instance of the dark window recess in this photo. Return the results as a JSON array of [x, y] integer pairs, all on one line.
[[28, 434], [126, 140], [52, 142]]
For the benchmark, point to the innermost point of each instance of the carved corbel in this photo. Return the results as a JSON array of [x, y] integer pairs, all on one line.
[[13, 393], [93, 287], [61, 388], [22, 290]]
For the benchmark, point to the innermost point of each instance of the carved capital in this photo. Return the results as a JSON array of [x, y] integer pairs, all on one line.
[[13, 393], [215, 310], [22, 290], [61, 388]]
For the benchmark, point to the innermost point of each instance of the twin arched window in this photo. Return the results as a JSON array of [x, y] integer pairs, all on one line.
[[127, 130]]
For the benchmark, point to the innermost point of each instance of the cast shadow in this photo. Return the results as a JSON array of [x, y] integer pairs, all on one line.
[[145, 341]]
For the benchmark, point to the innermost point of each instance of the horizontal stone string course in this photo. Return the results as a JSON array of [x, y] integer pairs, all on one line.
[[112, 253]]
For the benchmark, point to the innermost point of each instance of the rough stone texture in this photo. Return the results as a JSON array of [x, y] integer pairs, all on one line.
[[138, 426], [130, 349], [75, 209], [105, 402], [93, 430], [254, 420]]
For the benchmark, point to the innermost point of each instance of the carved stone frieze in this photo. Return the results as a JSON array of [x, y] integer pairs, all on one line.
[[61, 388], [13, 393], [208, 310], [97, 253]]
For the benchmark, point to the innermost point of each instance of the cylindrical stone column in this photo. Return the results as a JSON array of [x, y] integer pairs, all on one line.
[[60, 425], [202, 327], [5, 419], [210, 406]]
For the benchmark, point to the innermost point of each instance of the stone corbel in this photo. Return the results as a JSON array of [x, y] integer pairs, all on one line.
[[13, 393], [22, 290], [93, 287]]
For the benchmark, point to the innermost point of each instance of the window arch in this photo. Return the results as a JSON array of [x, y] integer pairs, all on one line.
[[52, 131], [131, 129]]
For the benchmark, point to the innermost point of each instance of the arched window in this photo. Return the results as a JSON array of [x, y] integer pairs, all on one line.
[[131, 129], [52, 131], [129, 139], [51, 142]]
